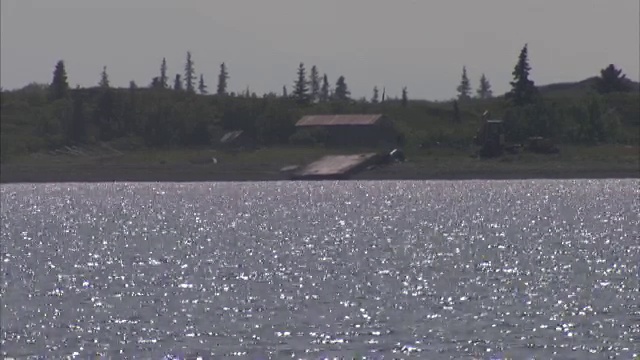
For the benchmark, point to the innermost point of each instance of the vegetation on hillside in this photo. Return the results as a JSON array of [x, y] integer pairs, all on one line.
[[43, 117]]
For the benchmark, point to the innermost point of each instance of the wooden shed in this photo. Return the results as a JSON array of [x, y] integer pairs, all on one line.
[[370, 130]]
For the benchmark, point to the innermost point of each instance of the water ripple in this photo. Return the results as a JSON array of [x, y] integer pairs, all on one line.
[[521, 269]]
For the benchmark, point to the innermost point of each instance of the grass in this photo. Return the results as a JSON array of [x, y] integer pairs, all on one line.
[[265, 164]]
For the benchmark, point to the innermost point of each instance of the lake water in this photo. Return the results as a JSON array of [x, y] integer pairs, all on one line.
[[387, 270]]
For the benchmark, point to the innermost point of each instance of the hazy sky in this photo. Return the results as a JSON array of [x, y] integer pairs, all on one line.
[[421, 44]]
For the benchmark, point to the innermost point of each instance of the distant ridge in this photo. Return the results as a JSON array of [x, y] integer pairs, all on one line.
[[577, 88]]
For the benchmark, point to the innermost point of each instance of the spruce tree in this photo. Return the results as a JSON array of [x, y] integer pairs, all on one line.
[[300, 87], [464, 89], [189, 74], [155, 83], [59, 86], [484, 90], [202, 87], [223, 76], [375, 97], [163, 80], [104, 78], [324, 89], [177, 83], [405, 97], [314, 83], [342, 92], [523, 90], [284, 91], [612, 80]]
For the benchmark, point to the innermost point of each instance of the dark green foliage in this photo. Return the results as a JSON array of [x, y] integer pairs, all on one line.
[[177, 83], [612, 80], [456, 112], [405, 97], [276, 124], [189, 74], [284, 91], [484, 90], [108, 123], [104, 78], [464, 89], [523, 90], [324, 90], [155, 83], [202, 87], [39, 117], [587, 121], [342, 92], [314, 84], [223, 76], [301, 87], [130, 112], [77, 129], [59, 86]]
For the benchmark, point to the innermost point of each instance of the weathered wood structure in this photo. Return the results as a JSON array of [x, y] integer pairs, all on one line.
[[369, 130]]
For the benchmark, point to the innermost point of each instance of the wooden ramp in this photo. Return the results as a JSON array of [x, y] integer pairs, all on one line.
[[335, 167]]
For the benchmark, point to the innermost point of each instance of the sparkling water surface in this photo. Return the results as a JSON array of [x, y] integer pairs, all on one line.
[[534, 269]]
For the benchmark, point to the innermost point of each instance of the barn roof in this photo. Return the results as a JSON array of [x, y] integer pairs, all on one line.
[[333, 120]]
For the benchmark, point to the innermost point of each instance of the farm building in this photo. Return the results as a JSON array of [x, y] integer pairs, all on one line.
[[352, 129]]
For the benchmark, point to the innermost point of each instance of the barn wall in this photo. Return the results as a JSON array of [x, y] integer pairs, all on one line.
[[359, 135]]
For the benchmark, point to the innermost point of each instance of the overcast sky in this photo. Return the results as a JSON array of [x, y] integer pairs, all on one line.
[[421, 44]]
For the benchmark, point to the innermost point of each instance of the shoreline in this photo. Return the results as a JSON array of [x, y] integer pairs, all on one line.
[[75, 173]]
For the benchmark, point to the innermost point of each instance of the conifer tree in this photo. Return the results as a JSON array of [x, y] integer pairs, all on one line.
[[484, 90], [223, 76], [284, 91], [202, 87], [374, 98], [104, 78], [314, 83], [59, 86], [612, 80], [523, 90], [324, 89], [155, 83], [405, 97], [464, 89], [189, 74], [163, 80], [342, 92], [300, 87], [177, 83]]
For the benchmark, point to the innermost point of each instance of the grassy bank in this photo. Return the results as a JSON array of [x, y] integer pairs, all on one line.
[[608, 161]]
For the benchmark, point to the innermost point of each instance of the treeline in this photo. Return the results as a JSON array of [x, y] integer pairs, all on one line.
[[162, 114]]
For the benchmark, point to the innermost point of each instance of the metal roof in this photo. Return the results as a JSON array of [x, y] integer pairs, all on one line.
[[333, 120]]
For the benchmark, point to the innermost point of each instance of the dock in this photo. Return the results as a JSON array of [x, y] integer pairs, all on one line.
[[336, 167]]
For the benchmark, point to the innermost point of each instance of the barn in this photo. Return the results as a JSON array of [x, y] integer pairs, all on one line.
[[370, 130]]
